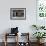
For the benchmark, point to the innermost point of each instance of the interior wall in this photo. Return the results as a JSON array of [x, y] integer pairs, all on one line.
[[23, 25]]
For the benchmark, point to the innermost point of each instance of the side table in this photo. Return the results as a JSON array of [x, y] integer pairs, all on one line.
[[8, 34]]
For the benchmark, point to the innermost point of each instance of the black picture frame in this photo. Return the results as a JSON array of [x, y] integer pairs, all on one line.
[[17, 13]]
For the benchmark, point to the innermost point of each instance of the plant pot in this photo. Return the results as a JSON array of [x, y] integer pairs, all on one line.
[[40, 41]]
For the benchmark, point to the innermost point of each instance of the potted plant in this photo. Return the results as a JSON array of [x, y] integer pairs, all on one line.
[[39, 35]]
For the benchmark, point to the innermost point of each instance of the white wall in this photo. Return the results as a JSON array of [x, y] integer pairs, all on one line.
[[24, 25]]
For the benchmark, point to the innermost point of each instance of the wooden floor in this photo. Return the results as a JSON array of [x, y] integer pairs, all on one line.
[[13, 44]]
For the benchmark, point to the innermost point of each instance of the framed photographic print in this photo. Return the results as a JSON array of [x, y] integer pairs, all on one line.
[[41, 8], [41, 12], [17, 13]]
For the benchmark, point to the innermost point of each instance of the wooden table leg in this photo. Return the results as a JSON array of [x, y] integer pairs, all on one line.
[[17, 40], [5, 40]]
